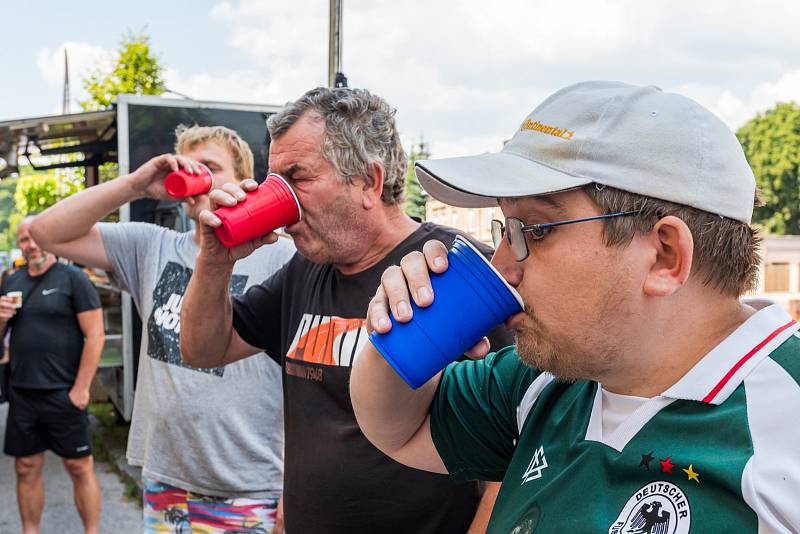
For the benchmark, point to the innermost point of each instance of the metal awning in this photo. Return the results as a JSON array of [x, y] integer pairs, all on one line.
[[92, 134]]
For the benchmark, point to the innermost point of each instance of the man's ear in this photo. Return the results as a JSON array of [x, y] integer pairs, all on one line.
[[371, 193], [674, 253]]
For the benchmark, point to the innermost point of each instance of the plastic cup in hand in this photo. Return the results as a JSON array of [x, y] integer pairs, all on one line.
[[182, 183], [16, 298], [469, 300], [272, 205]]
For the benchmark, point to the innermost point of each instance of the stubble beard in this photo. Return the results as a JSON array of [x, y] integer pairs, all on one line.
[[38, 262], [566, 357], [335, 232]]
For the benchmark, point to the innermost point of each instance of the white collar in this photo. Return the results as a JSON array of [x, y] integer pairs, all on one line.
[[719, 373]]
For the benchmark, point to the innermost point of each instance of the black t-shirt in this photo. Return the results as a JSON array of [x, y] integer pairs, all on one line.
[[46, 338], [335, 480]]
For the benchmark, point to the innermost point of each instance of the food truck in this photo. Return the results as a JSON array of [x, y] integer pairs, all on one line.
[[133, 131]]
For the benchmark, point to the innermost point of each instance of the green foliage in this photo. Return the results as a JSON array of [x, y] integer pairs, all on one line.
[[416, 197], [38, 191], [771, 142], [108, 171], [137, 70], [11, 233], [7, 212]]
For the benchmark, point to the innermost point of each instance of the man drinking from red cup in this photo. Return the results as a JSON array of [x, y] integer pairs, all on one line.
[[340, 152], [209, 441], [184, 183], [271, 206]]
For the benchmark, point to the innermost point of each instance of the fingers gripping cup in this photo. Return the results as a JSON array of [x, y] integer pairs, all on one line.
[[272, 205], [470, 299], [182, 183]]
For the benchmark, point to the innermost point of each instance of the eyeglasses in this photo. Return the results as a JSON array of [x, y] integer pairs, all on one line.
[[515, 230]]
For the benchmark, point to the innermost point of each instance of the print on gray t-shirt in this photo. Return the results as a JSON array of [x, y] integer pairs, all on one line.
[[164, 322], [216, 432]]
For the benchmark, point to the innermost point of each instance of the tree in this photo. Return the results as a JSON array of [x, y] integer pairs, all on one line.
[[771, 143], [416, 197], [31, 192], [137, 70], [7, 207], [37, 191], [10, 236]]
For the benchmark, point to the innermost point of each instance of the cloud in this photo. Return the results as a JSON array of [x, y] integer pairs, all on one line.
[[83, 58], [464, 74], [268, 30], [284, 44], [248, 86], [737, 108]]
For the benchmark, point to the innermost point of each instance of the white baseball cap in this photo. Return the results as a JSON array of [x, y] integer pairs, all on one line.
[[638, 139]]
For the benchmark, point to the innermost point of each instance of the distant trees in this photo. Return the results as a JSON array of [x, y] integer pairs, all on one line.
[[7, 211], [771, 142], [136, 70], [416, 197], [38, 190]]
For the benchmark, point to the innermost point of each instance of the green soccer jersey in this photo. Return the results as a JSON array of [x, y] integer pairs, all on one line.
[[719, 451]]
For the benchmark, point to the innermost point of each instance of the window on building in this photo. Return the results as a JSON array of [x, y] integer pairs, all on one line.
[[776, 278]]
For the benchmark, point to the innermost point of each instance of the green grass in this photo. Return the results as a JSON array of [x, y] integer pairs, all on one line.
[[104, 411]]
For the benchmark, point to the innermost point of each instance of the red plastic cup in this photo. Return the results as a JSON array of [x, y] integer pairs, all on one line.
[[182, 183], [272, 205]]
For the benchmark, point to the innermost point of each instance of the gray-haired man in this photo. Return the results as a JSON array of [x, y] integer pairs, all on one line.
[[340, 152]]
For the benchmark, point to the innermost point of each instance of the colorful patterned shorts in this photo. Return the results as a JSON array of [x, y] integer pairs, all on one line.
[[178, 511]]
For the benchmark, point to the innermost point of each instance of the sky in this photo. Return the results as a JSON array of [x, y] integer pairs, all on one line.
[[462, 74]]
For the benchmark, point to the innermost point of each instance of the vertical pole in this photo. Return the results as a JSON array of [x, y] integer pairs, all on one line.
[[65, 104], [334, 42]]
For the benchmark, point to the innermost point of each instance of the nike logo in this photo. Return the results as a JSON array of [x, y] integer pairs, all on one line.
[[46, 292]]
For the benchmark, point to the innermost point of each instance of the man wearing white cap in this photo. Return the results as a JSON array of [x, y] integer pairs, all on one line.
[[642, 395]]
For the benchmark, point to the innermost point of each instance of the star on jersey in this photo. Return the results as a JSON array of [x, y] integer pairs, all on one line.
[[692, 474], [646, 459], [667, 465]]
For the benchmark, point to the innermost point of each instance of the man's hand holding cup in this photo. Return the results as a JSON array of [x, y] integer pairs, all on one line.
[[148, 180], [8, 307], [411, 279], [212, 249]]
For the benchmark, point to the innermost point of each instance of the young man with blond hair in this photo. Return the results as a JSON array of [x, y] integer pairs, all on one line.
[[642, 395], [209, 441]]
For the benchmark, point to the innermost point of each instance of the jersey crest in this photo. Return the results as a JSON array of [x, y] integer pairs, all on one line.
[[659, 507]]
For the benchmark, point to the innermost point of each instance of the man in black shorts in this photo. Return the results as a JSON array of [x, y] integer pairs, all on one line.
[[56, 325]]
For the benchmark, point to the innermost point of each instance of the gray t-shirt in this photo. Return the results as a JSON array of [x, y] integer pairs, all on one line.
[[214, 431]]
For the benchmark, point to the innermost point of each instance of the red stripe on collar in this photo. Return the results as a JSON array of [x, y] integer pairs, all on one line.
[[713, 393]]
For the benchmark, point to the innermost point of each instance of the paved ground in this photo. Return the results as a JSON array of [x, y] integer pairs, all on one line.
[[118, 514]]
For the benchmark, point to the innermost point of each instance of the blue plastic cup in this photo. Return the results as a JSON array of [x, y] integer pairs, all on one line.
[[469, 300]]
